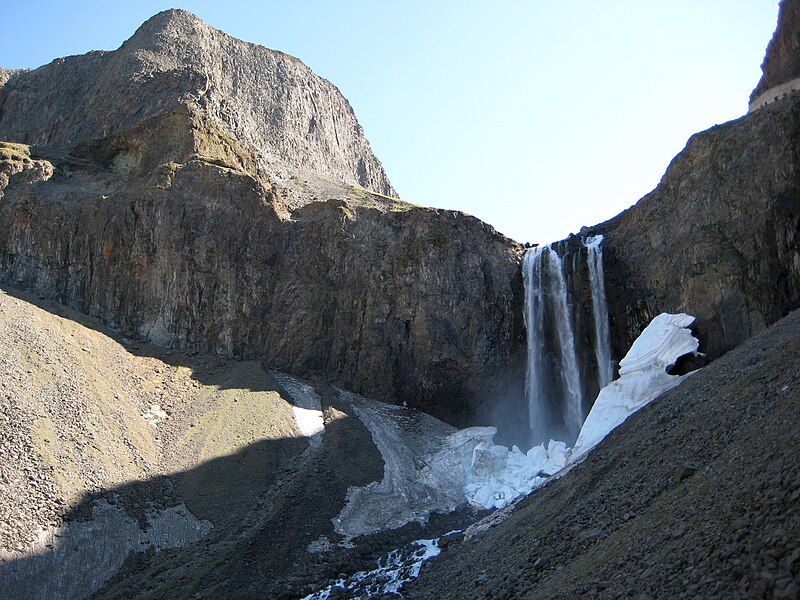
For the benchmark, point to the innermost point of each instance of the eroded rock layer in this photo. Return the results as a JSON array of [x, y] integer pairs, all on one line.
[[164, 233]]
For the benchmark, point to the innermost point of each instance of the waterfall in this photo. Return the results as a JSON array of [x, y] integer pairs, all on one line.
[[533, 278], [553, 387], [602, 336], [572, 406]]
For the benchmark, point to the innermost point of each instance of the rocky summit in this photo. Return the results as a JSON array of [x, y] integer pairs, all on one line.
[[232, 359]]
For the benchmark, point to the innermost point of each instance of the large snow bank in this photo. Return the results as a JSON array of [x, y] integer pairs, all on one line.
[[643, 377], [495, 475]]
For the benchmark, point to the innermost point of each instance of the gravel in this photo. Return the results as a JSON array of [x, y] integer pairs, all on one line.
[[696, 496]]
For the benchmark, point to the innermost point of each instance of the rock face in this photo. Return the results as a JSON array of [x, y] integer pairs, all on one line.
[[201, 192], [719, 237], [782, 61], [291, 119]]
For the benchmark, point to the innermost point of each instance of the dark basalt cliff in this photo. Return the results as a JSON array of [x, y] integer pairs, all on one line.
[[720, 236], [201, 192], [782, 61]]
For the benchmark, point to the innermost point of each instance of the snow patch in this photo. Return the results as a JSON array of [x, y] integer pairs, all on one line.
[[306, 405], [393, 571], [643, 377], [421, 474]]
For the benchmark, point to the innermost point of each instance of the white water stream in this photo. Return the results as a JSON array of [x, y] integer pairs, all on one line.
[[553, 388], [602, 335]]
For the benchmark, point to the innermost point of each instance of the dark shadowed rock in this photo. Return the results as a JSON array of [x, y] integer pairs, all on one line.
[[719, 237], [782, 61], [615, 527]]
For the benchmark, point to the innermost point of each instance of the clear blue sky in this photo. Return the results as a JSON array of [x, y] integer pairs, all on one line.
[[536, 116]]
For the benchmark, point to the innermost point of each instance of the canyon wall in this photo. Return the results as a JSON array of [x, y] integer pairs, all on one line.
[[719, 237], [172, 228], [201, 192]]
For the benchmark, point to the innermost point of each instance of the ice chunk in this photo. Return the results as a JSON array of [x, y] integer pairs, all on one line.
[[643, 377], [558, 453], [662, 342], [496, 476]]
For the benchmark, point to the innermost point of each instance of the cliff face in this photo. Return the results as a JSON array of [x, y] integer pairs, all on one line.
[[291, 119], [202, 192], [718, 238], [168, 231], [782, 60]]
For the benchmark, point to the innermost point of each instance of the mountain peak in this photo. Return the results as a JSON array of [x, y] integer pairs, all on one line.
[[170, 19], [290, 119]]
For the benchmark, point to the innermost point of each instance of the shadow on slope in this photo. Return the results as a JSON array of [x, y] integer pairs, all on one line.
[[248, 517], [249, 494], [207, 369]]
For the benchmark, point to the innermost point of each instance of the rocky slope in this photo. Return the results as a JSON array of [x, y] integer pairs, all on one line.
[[85, 412], [141, 470], [697, 495]]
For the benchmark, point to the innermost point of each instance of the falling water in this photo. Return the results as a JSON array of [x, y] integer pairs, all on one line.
[[533, 277], [572, 407], [553, 387], [602, 336]]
